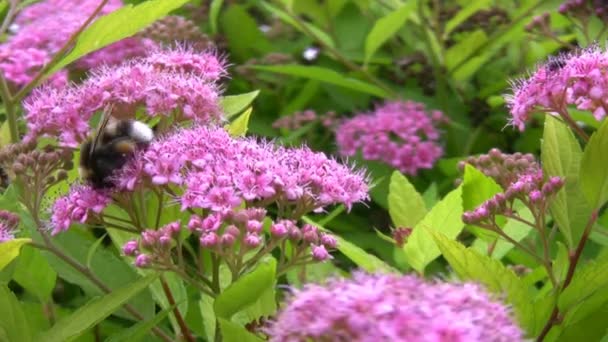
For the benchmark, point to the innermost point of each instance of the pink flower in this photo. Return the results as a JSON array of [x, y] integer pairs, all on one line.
[[220, 172], [401, 134], [579, 79], [370, 308], [40, 30], [76, 207], [8, 225], [134, 84]]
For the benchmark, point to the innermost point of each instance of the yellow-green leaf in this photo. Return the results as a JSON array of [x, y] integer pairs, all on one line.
[[10, 249]]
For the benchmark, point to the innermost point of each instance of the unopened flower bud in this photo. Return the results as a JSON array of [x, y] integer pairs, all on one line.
[[254, 226], [227, 239], [278, 230], [252, 240], [130, 248], [232, 230], [142, 260], [329, 241], [319, 253], [209, 240], [535, 196], [164, 240]]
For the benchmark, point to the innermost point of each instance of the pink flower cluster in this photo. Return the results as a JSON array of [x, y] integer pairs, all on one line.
[[76, 206], [40, 30], [579, 79], [531, 187], [8, 225], [401, 134], [229, 235], [370, 308], [219, 172], [178, 82]]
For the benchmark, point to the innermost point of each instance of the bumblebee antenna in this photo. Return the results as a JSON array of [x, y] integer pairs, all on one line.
[[105, 119]]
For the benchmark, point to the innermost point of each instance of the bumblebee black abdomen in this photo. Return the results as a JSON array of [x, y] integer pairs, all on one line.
[[116, 143]]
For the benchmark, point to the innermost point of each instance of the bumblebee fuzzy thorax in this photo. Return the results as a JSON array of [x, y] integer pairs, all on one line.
[[110, 148]]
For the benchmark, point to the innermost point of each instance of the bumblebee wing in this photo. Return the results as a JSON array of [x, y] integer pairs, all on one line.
[[103, 123]]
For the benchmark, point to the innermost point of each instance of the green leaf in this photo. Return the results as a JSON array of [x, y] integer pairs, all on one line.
[[93, 249], [34, 273], [117, 25], [238, 127], [386, 27], [304, 27], [361, 258], [589, 279], [246, 290], [94, 312], [9, 250], [232, 332], [235, 104], [471, 265], [561, 156], [444, 217], [14, 325], [245, 40], [594, 173], [476, 189], [214, 13], [205, 306], [324, 75], [460, 51], [561, 262], [405, 205], [106, 265], [464, 14], [138, 331]]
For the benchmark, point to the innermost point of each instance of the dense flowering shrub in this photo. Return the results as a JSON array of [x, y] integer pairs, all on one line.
[[393, 308], [402, 134]]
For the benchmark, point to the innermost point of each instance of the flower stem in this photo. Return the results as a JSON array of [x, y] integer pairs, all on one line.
[[178, 316], [574, 259], [9, 105]]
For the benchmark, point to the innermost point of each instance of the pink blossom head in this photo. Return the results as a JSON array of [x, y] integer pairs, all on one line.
[[40, 30], [219, 172], [402, 134], [187, 93], [371, 308], [579, 79], [76, 206]]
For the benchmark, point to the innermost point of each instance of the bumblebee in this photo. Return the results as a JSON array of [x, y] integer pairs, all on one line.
[[110, 147]]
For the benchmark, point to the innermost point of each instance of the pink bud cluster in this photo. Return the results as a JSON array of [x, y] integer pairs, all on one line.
[[42, 29], [383, 307], [244, 229], [76, 206], [579, 79], [8, 225], [231, 235], [584, 8], [178, 82], [504, 168], [299, 119], [154, 246], [219, 173], [531, 188], [401, 134]]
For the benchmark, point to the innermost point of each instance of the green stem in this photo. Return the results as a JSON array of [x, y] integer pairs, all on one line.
[[574, 259], [9, 105]]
